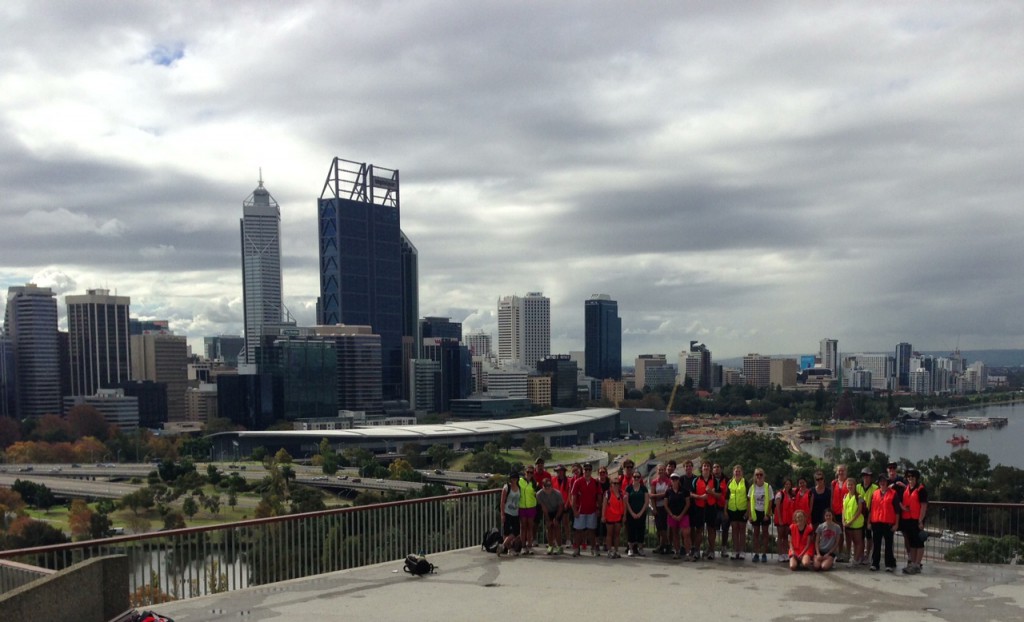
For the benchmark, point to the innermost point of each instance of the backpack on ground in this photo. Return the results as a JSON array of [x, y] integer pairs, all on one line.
[[418, 565], [492, 538]]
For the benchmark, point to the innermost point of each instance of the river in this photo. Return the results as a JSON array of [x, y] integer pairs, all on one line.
[[1002, 445]]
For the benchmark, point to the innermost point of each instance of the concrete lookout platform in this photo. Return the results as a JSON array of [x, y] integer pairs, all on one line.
[[471, 585]]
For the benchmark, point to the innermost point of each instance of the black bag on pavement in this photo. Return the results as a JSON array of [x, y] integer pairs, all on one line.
[[418, 565]]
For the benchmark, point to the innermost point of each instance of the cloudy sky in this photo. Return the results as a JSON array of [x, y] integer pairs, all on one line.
[[750, 175]]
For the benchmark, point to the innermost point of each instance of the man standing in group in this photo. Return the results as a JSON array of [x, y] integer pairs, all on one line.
[[706, 498], [563, 486], [866, 490], [884, 510], [586, 499], [689, 532], [658, 486]]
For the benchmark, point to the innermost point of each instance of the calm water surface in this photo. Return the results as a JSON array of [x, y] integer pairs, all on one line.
[[1002, 445]]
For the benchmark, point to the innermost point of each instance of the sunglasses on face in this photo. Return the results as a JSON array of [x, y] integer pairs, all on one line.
[[636, 477]]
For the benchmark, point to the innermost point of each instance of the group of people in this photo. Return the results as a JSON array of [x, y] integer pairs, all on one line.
[[815, 526]]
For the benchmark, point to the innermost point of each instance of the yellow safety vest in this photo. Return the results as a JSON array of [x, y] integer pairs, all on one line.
[[528, 496], [850, 503], [737, 496], [768, 496]]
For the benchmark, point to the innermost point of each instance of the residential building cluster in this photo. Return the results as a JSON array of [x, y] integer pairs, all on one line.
[[370, 358]]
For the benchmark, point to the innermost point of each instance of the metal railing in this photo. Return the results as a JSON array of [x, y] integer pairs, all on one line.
[[956, 525], [191, 562]]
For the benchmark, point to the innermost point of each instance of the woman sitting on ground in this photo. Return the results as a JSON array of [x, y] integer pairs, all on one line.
[[801, 542]]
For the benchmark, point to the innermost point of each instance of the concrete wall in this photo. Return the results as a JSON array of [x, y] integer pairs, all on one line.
[[95, 590]]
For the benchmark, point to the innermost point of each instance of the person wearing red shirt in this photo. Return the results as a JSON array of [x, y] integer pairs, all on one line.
[[839, 491], [802, 497], [613, 514], [884, 513], [913, 509], [563, 485], [705, 497], [801, 542], [586, 500], [539, 473], [783, 508]]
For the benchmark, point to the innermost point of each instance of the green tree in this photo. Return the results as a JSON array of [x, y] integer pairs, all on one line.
[[400, 469], [190, 507], [212, 474], [441, 455], [505, 441], [259, 453], [282, 457], [751, 450], [532, 441], [306, 499], [666, 429], [413, 453]]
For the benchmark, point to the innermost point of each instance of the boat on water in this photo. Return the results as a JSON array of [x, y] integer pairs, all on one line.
[[958, 439], [943, 424]]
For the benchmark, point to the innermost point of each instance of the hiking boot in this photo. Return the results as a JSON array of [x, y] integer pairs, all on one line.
[[764, 558]]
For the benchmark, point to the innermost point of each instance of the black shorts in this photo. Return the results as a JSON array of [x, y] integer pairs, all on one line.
[[737, 516], [759, 519], [712, 517], [911, 529], [660, 519], [511, 526]]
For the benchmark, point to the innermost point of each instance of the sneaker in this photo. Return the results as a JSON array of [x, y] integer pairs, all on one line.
[[675, 555], [915, 569], [558, 550], [754, 559], [711, 556], [629, 553], [890, 569], [595, 553], [550, 550], [875, 569], [640, 553], [783, 559], [764, 558], [500, 549]]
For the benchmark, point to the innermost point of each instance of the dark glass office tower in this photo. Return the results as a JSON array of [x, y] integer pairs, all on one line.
[[903, 353], [440, 328], [361, 259], [603, 333]]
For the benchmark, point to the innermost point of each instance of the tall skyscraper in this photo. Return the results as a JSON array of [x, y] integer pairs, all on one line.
[[603, 338], [562, 371], [367, 266], [99, 346], [696, 363], [903, 353], [263, 300], [162, 357], [829, 353], [524, 329], [30, 324]]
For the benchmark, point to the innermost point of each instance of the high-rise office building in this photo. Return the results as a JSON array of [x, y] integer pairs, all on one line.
[[562, 371], [696, 364], [163, 358], [264, 313], [8, 390], [99, 341], [829, 353], [603, 337], [783, 372], [224, 348], [30, 324], [479, 343], [440, 328], [524, 329], [757, 371], [454, 376], [903, 353], [138, 327], [643, 364], [367, 266]]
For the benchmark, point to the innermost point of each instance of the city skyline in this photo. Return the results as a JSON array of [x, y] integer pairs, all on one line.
[[851, 174]]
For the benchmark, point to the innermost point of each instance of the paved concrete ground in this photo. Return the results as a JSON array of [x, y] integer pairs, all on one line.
[[472, 585]]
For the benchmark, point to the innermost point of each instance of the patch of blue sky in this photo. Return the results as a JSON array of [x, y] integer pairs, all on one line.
[[167, 54]]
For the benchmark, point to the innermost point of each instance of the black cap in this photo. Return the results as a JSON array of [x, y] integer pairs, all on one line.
[[892, 465], [913, 473]]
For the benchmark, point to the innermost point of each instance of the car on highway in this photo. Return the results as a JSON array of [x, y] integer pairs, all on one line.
[[343, 477], [25, 469], [356, 480]]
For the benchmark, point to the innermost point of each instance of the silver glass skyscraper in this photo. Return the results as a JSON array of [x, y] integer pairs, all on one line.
[[263, 300], [524, 329], [30, 325]]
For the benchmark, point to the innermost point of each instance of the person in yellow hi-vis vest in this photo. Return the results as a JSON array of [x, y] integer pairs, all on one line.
[[736, 506]]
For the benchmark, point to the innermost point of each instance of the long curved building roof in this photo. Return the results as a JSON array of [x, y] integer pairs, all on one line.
[[540, 423]]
